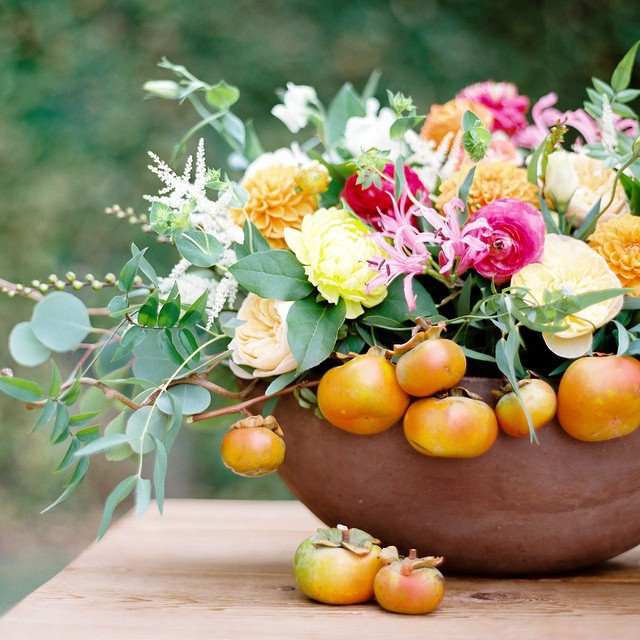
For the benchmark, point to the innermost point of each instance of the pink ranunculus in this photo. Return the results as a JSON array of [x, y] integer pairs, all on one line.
[[517, 237], [369, 203], [503, 100]]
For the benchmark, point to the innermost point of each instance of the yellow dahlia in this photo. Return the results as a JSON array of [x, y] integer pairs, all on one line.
[[275, 203], [447, 118], [492, 180], [617, 240]]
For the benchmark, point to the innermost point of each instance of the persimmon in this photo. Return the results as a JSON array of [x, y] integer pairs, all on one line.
[[599, 397], [362, 396], [337, 565], [539, 399], [433, 365], [455, 426]]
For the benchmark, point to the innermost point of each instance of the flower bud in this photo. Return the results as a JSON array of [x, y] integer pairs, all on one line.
[[560, 180], [314, 178], [167, 89]]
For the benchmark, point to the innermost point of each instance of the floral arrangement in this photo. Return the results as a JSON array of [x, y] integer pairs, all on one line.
[[376, 231]]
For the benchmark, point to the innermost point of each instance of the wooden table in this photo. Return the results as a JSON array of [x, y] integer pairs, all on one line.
[[221, 569]]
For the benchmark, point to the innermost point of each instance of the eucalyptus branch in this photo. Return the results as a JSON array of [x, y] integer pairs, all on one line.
[[200, 381], [240, 407]]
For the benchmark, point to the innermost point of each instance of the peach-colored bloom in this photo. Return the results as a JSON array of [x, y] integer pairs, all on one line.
[[444, 119]]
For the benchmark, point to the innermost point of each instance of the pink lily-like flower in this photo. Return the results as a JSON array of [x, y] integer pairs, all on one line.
[[544, 116], [467, 244]]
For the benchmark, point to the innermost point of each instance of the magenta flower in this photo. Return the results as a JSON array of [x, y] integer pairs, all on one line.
[[545, 116], [503, 100], [369, 203], [516, 239]]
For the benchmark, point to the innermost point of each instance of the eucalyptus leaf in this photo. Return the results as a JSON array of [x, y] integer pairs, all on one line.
[[25, 348], [141, 425], [107, 441], [143, 496], [118, 426], [281, 382], [47, 415], [145, 266], [131, 338], [60, 321], [129, 271], [169, 313], [20, 389], [159, 473], [199, 248], [275, 274], [56, 380], [622, 74], [114, 499], [72, 485], [148, 313], [153, 363], [193, 399], [195, 313]]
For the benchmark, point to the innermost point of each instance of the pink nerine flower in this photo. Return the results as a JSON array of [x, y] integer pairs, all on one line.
[[369, 203], [503, 100], [517, 237], [545, 116]]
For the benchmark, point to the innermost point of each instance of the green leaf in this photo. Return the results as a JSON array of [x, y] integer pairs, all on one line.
[[403, 124], [69, 457], [199, 248], [252, 146], [165, 342], [312, 330], [107, 441], [465, 187], [622, 74], [25, 348], [222, 95], [476, 137], [281, 382], [345, 105], [145, 266], [628, 95], [477, 355], [152, 361], [61, 422], [193, 399], [141, 425], [20, 389], [275, 274], [159, 472], [169, 313], [83, 418], [72, 485], [589, 223], [602, 87], [534, 162], [195, 313], [254, 241], [60, 321], [129, 271], [148, 314], [233, 131], [550, 223], [394, 306], [48, 411], [88, 434], [56, 380], [131, 338], [117, 426], [383, 322], [114, 499], [72, 393], [175, 423], [189, 344], [117, 306], [143, 496]]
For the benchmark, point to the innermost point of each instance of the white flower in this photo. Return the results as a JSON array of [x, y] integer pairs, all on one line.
[[372, 131], [294, 113], [560, 179], [261, 341], [291, 156]]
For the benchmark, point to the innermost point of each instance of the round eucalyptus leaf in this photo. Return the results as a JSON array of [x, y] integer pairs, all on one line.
[[152, 362], [122, 451], [60, 321], [141, 425], [25, 348], [192, 399]]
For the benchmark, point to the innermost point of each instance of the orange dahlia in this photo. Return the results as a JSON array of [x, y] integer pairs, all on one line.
[[275, 203], [617, 240], [447, 118], [492, 180]]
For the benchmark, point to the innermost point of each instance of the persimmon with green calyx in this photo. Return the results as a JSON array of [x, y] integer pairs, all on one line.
[[337, 565], [599, 397], [362, 395], [410, 585], [539, 399], [457, 425], [253, 446], [432, 365]]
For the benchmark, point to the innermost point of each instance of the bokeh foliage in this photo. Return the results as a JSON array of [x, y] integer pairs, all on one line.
[[74, 130]]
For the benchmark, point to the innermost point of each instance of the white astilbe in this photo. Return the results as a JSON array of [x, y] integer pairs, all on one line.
[[181, 193], [427, 160], [190, 285], [224, 292], [608, 133]]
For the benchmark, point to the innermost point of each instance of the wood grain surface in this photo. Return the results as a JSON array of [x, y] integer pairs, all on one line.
[[222, 569]]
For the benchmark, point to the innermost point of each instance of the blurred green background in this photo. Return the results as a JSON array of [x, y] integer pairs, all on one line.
[[74, 131]]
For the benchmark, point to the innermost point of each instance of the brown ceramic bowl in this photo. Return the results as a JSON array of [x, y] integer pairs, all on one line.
[[520, 508]]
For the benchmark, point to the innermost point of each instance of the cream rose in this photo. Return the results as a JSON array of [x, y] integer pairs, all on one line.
[[595, 181], [261, 341]]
